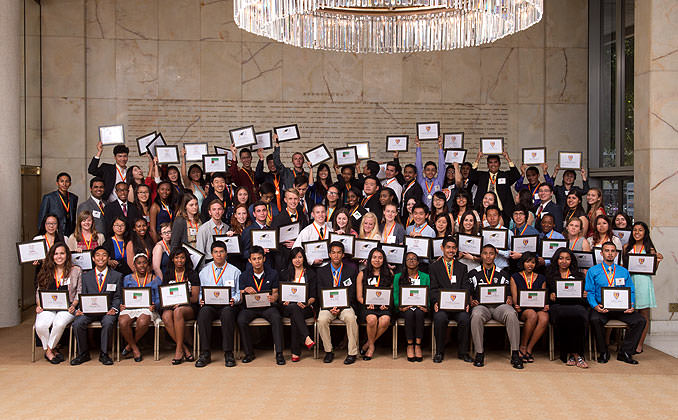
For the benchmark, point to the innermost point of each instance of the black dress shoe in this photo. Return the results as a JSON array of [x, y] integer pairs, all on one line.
[[418, 359], [139, 359], [203, 360], [105, 359], [229, 360], [80, 359], [626, 358], [465, 357], [480, 360], [279, 359], [329, 356], [516, 360], [54, 360], [366, 358], [249, 358], [604, 357], [438, 358], [59, 357], [349, 360], [126, 353]]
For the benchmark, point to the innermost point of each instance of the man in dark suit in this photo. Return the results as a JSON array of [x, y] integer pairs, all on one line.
[[259, 209], [272, 177], [305, 201], [547, 206], [60, 203], [120, 207], [95, 204], [334, 275], [370, 200], [217, 192], [110, 173], [411, 189], [100, 280], [496, 181], [446, 273], [288, 216]]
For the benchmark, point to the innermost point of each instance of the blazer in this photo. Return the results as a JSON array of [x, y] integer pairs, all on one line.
[[113, 210], [89, 285], [309, 277], [74, 285], [482, 178], [349, 274], [91, 206], [246, 237], [553, 209], [415, 192], [440, 280], [51, 204], [374, 206], [107, 171]]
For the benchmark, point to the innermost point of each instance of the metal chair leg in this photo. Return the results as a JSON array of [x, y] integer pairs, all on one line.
[[33, 344], [551, 343], [70, 341], [433, 342], [117, 341], [394, 335]]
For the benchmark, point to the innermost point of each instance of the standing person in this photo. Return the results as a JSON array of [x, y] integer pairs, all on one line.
[[547, 206], [391, 181], [342, 224], [370, 200], [609, 274], [95, 203], [99, 280], [594, 199], [305, 202], [413, 315], [260, 222], [243, 176], [496, 181], [186, 222], [120, 207], [465, 171], [194, 179], [569, 176], [85, 237], [116, 246], [369, 228], [142, 201], [135, 178], [272, 177], [392, 232], [448, 273], [621, 221], [602, 232], [174, 177], [573, 209], [49, 231], [112, 174], [536, 321], [140, 242], [217, 192], [239, 221], [438, 206], [162, 210], [61, 203], [461, 204], [533, 182], [575, 236], [443, 225], [493, 219], [469, 226], [376, 274], [490, 199], [640, 243], [523, 198], [346, 181], [288, 216], [56, 273], [214, 226], [318, 188], [319, 230], [354, 208], [288, 174], [428, 176], [409, 217], [411, 189], [332, 202]]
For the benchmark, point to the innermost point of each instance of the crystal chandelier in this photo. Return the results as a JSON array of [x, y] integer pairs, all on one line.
[[386, 26]]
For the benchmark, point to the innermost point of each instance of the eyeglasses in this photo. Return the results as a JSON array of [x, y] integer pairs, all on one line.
[[332, 193], [51, 223]]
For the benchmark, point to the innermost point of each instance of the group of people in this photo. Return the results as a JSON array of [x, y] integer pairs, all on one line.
[[140, 231]]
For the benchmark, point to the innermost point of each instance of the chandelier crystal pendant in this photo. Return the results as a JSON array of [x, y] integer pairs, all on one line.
[[386, 26]]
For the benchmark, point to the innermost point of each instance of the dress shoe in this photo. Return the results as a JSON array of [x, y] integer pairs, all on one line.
[[60, 357], [349, 360], [329, 356], [438, 358], [418, 359], [54, 360], [480, 360], [139, 359], [177, 361], [465, 357], [279, 359], [229, 359], [126, 353], [516, 360], [604, 357], [626, 358], [105, 359], [80, 359], [203, 360], [250, 357], [367, 358]]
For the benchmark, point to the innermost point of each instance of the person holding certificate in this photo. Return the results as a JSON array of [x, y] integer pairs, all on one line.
[[319, 230], [469, 226], [318, 189], [186, 223], [376, 275], [194, 179], [117, 247], [288, 216], [214, 226], [547, 233], [111, 174], [448, 273], [496, 181], [411, 190], [602, 232], [392, 232], [298, 272], [369, 228], [574, 210], [271, 177], [533, 183], [142, 277], [493, 221], [609, 274], [219, 191], [244, 176], [640, 243], [413, 315], [370, 200], [429, 177], [56, 274], [162, 210], [101, 280], [521, 228], [341, 223], [287, 174], [85, 237], [61, 203], [563, 190], [354, 208], [49, 231], [261, 215], [536, 320], [174, 177], [420, 228], [488, 275], [259, 278]]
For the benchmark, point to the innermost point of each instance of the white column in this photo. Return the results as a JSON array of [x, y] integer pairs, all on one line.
[[10, 118]]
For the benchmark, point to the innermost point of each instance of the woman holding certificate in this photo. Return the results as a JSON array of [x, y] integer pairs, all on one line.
[[85, 237], [299, 311], [186, 223], [392, 232], [469, 226], [413, 315], [536, 319], [162, 250], [378, 317], [162, 210], [56, 274], [116, 247]]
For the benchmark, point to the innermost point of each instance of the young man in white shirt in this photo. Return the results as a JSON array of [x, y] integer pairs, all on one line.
[[391, 181], [214, 226], [319, 230]]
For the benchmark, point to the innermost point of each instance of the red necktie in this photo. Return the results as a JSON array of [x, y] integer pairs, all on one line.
[[124, 209]]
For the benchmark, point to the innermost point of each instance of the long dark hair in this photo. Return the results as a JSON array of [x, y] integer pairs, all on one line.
[[290, 267], [448, 230], [169, 271], [553, 270], [404, 274], [577, 211], [170, 198], [447, 182], [320, 189], [646, 241], [139, 244], [125, 236], [384, 271], [469, 202], [201, 180], [46, 274]]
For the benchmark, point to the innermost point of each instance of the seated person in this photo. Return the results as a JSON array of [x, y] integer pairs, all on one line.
[[413, 315]]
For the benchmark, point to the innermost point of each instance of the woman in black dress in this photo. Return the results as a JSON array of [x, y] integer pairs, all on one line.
[[376, 274]]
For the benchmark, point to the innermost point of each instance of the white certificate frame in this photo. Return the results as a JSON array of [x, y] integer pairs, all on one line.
[[329, 300], [316, 250], [144, 141], [585, 259], [492, 145], [623, 234], [453, 300], [318, 155], [159, 140], [362, 149], [53, 300], [455, 155], [420, 298], [436, 247], [642, 264], [429, 130], [395, 254], [382, 171], [363, 247], [264, 140], [534, 155], [169, 154], [419, 245], [598, 256], [195, 151], [288, 232], [550, 246], [94, 303], [453, 140], [212, 295], [132, 302], [293, 292], [257, 300], [214, 163], [265, 238], [378, 296], [397, 143], [82, 260], [569, 289], [224, 151], [346, 156], [195, 255], [30, 251], [525, 243], [344, 239], [232, 243], [168, 297], [111, 134], [613, 302], [570, 160], [470, 244], [287, 132], [243, 136], [496, 237], [532, 298], [485, 297]]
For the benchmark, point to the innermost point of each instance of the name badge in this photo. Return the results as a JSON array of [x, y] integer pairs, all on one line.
[[348, 282], [501, 181], [111, 287], [391, 239], [620, 281], [356, 215], [536, 196], [367, 209], [66, 282], [96, 214], [454, 279], [192, 231]]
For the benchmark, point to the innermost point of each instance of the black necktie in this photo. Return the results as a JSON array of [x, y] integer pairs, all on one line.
[[322, 233]]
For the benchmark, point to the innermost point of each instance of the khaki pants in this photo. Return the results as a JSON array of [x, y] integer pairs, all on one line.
[[349, 318], [503, 313]]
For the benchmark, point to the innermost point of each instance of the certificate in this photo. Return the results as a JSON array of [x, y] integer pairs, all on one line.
[[159, 140], [598, 256], [317, 155], [534, 155], [31, 251], [362, 148], [243, 137], [377, 297], [437, 247], [616, 298], [413, 296], [428, 130], [496, 237], [82, 260], [196, 256], [54, 300], [111, 134], [470, 244], [455, 155], [584, 258], [264, 140], [214, 163], [569, 160], [346, 156], [418, 245], [362, 248], [136, 297], [195, 151], [94, 304], [397, 143], [492, 294], [168, 155], [217, 296], [642, 264], [395, 254], [316, 250], [334, 298], [293, 292], [492, 146], [382, 171], [287, 132], [532, 298], [257, 300], [144, 141], [265, 238], [453, 300], [623, 234], [525, 243], [223, 151], [347, 240], [173, 294], [232, 243], [288, 232], [453, 140], [569, 289], [550, 246]]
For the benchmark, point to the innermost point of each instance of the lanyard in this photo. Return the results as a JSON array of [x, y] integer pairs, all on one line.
[[100, 286], [610, 280], [214, 274], [330, 212], [409, 186], [123, 178], [491, 276], [567, 276], [551, 235], [198, 188], [410, 219], [88, 243], [429, 188], [56, 279], [298, 280], [248, 175], [336, 274], [389, 231], [276, 182], [269, 214], [322, 237], [575, 242], [176, 276], [191, 224], [415, 280], [218, 232], [493, 180], [390, 182], [49, 246], [167, 209], [258, 285], [420, 230], [450, 269], [535, 189], [138, 282], [378, 280], [295, 214], [366, 199], [529, 282], [515, 230], [570, 214], [638, 252], [121, 249], [67, 204], [165, 246]]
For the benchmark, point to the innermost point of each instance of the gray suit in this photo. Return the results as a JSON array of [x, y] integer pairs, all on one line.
[[91, 205]]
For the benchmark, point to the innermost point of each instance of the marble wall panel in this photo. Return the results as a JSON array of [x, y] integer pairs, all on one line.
[[382, 78], [565, 127], [136, 68], [567, 75], [100, 19], [460, 76], [261, 71], [179, 20], [63, 127], [531, 77], [76, 168], [566, 23], [220, 70], [663, 118], [422, 77], [664, 19], [307, 82], [343, 76], [179, 69], [216, 22], [63, 66], [62, 18], [136, 19], [101, 68]]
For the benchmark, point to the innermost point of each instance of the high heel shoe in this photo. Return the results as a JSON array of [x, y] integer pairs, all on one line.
[[310, 346], [411, 359]]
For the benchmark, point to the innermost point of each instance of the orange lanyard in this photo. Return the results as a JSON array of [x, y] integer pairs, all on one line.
[[276, 182], [322, 237], [390, 182], [515, 230], [258, 285], [49, 246], [408, 186], [330, 212], [493, 180], [167, 209], [218, 232], [298, 280], [529, 282], [248, 175], [295, 172], [420, 230], [366, 199], [491, 276], [176, 276], [295, 214], [269, 214], [56, 279], [575, 242], [100, 286], [165, 246], [459, 218], [214, 274], [540, 210], [138, 282], [567, 276], [192, 225], [389, 231], [199, 189], [123, 178], [535, 189], [610, 280], [638, 252], [88, 243], [409, 220], [429, 188], [569, 215], [551, 235], [67, 204], [336, 275], [378, 280], [415, 280], [121, 249], [450, 269]]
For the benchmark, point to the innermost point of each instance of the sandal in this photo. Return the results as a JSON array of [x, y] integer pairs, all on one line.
[[523, 356], [528, 357], [571, 361], [177, 361], [189, 358], [581, 363], [411, 358]]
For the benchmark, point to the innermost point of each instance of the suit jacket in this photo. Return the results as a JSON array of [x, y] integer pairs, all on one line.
[[373, 205], [440, 280], [553, 209], [106, 171], [561, 196], [287, 276], [91, 206], [89, 285], [415, 192], [113, 210], [482, 178], [247, 242], [283, 255], [326, 281], [51, 204]]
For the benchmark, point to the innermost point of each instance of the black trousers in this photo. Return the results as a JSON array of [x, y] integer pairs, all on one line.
[[634, 320], [271, 315], [80, 329], [414, 323], [570, 323], [298, 318], [227, 316], [440, 320]]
